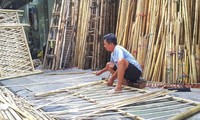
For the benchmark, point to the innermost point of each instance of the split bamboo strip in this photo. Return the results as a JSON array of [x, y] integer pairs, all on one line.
[[101, 116], [161, 117], [162, 108], [186, 100], [66, 73], [66, 89], [166, 111], [149, 106]]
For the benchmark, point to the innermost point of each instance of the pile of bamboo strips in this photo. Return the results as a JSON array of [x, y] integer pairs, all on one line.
[[164, 36], [13, 108]]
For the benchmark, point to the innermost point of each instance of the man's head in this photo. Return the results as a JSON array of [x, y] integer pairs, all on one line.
[[110, 41]]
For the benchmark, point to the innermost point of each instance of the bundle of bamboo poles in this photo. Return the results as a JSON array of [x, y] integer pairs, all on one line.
[[164, 36], [95, 18], [60, 43], [92, 19]]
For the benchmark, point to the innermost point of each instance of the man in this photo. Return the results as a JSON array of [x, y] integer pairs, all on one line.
[[122, 65]]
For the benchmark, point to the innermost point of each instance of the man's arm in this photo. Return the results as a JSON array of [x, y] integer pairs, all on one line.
[[101, 71], [109, 67], [112, 78]]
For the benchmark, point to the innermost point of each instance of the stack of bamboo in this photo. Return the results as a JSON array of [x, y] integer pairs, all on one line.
[[104, 22], [164, 36], [92, 19], [61, 35]]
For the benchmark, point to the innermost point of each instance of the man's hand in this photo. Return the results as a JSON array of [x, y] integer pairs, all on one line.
[[110, 82], [98, 73]]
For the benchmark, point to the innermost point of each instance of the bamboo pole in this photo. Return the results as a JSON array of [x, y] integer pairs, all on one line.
[[198, 62], [58, 40], [122, 21], [186, 114], [127, 22]]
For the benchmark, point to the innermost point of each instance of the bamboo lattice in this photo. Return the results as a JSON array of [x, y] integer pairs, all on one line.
[[8, 17]]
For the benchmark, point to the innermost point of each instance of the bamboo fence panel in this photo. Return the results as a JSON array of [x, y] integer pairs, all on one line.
[[15, 58]]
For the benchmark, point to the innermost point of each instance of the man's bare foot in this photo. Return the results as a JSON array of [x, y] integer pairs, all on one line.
[[113, 91], [125, 82], [117, 88]]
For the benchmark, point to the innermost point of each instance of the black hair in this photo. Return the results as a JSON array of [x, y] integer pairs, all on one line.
[[110, 38]]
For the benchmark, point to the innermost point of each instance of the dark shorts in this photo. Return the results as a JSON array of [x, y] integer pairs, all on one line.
[[132, 73]]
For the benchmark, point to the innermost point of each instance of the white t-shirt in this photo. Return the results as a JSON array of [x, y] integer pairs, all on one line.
[[121, 52]]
